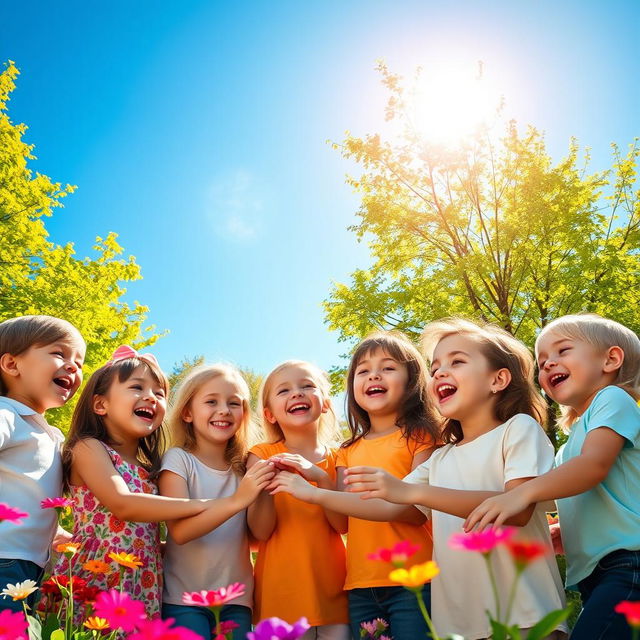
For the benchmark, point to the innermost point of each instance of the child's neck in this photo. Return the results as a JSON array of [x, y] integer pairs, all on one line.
[[584, 403], [128, 449], [23, 398], [306, 443], [212, 454], [481, 421], [382, 425]]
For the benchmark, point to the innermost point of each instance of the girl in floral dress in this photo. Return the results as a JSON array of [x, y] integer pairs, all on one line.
[[111, 458]]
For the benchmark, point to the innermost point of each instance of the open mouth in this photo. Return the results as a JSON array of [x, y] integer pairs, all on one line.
[[375, 391], [146, 413], [221, 424], [65, 383], [445, 391], [557, 378], [301, 407]]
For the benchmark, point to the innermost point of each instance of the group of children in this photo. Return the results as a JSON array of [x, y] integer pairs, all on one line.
[[439, 442]]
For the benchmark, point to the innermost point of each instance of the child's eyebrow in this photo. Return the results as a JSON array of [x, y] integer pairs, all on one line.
[[458, 352]]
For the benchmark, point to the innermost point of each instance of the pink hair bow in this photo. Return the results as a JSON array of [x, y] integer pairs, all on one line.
[[124, 352]]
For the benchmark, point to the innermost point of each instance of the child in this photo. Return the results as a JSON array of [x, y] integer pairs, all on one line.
[[41, 362], [210, 420], [591, 367], [110, 459], [392, 427], [300, 568]]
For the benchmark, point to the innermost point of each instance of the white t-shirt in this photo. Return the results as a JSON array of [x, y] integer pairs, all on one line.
[[218, 558], [30, 471], [462, 593]]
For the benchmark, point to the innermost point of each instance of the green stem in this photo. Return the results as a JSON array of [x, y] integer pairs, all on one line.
[[512, 595], [635, 632], [69, 616], [494, 586], [425, 613]]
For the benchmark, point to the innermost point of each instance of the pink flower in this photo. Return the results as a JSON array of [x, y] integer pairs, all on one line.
[[396, 555], [215, 598], [56, 503], [228, 625], [13, 626], [11, 514], [119, 610], [631, 611], [162, 630], [481, 541]]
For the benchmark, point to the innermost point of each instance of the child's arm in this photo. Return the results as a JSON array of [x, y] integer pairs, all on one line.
[[600, 449], [261, 514], [342, 502], [187, 529], [94, 468]]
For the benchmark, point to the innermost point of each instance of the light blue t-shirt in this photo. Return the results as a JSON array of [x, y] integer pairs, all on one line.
[[607, 517]]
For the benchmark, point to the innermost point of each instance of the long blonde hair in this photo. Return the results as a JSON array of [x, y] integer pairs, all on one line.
[[601, 333], [329, 428], [182, 432]]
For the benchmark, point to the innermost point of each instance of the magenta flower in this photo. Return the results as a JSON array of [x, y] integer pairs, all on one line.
[[162, 630], [228, 625], [11, 514], [56, 503], [396, 555], [276, 629], [119, 610], [215, 598], [13, 626], [481, 541]]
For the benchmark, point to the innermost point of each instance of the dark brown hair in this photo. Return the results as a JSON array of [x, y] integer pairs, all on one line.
[[17, 335], [502, 351], [416, 417], [86, 423]]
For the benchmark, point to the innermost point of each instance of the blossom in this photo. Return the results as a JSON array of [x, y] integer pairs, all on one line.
[[11, 514], [215, 598], [375, 626], [162, 630], [56, 503], [53, 584], [631, 611], [228, 625], [96, 566], [13, 625], [481, 541], [276, 629], [524, 552], [416, 575], [126, 559], [396, 555], [119, 610], [96, 624], [20, 590], [68, 548]]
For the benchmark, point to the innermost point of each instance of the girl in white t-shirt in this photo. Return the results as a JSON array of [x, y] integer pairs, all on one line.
[[482, 384], [211, 423]]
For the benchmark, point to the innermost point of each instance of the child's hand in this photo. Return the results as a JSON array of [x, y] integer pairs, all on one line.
[[497, 510], [295, 462], [556, 539], [294, 484], [62, 537], [254, 481], [372, 482]]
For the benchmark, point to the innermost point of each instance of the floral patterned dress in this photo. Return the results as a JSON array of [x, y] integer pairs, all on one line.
[[99, 533]]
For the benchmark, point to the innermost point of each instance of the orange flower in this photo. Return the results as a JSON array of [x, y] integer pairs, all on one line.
[[96, 624], [126, 559], [97, 566], [416, 575], [68, 548]]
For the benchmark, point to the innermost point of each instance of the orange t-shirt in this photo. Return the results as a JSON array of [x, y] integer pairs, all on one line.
[[394, 454], [300, 569]]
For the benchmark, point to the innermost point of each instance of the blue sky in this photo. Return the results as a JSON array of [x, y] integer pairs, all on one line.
[[197, 131]]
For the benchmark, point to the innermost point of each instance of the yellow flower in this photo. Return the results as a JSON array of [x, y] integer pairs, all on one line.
[[97, 566], [96, 624], [20, 590], [126, 559], [70, 548], [416, 576]]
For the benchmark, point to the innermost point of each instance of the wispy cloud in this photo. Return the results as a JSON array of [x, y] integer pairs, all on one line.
[[235, 206]]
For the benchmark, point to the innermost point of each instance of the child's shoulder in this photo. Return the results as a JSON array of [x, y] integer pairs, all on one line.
[[613, 394], [267, 449], [522, 421]]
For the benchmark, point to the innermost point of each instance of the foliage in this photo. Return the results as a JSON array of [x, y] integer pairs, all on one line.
[[490, 228], [38, 276]]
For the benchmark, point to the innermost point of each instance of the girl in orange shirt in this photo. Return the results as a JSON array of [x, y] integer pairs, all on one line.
[[300, 569], [392, 427]]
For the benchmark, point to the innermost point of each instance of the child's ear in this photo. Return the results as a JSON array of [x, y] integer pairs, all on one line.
[[186, 415], [615, 358], [325, 405], [269, 416], [100, 405], [9, 365], [501, 380]]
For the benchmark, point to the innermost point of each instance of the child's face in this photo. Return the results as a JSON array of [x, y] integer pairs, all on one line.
[[134, 408], [570, 371], [379, 383], [460, 377], [46, 376], [295, 399], [216, 410]]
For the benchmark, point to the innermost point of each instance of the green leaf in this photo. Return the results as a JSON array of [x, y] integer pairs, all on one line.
[[543, 628], [51, 624], [58, 634], [35, 628]]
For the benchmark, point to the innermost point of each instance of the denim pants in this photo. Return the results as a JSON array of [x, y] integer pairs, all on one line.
[[396, 605], [615, 578], [14, 571], [202, 621]]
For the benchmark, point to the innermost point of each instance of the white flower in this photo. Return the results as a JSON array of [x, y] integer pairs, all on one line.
[[20, 590]]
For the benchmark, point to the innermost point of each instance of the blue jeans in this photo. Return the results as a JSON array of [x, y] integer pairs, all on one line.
[[396, 605], [200, 620], [13, 571], [615, 578]]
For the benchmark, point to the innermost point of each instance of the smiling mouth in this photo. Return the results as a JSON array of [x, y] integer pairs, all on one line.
[[375, 391], [221, 424], [299, 408], [65, 383], [445, 391], [145, 413], [558, 378]]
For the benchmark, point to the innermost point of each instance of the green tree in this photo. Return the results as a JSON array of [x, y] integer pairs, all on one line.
[[491, 229], [38, 276]]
